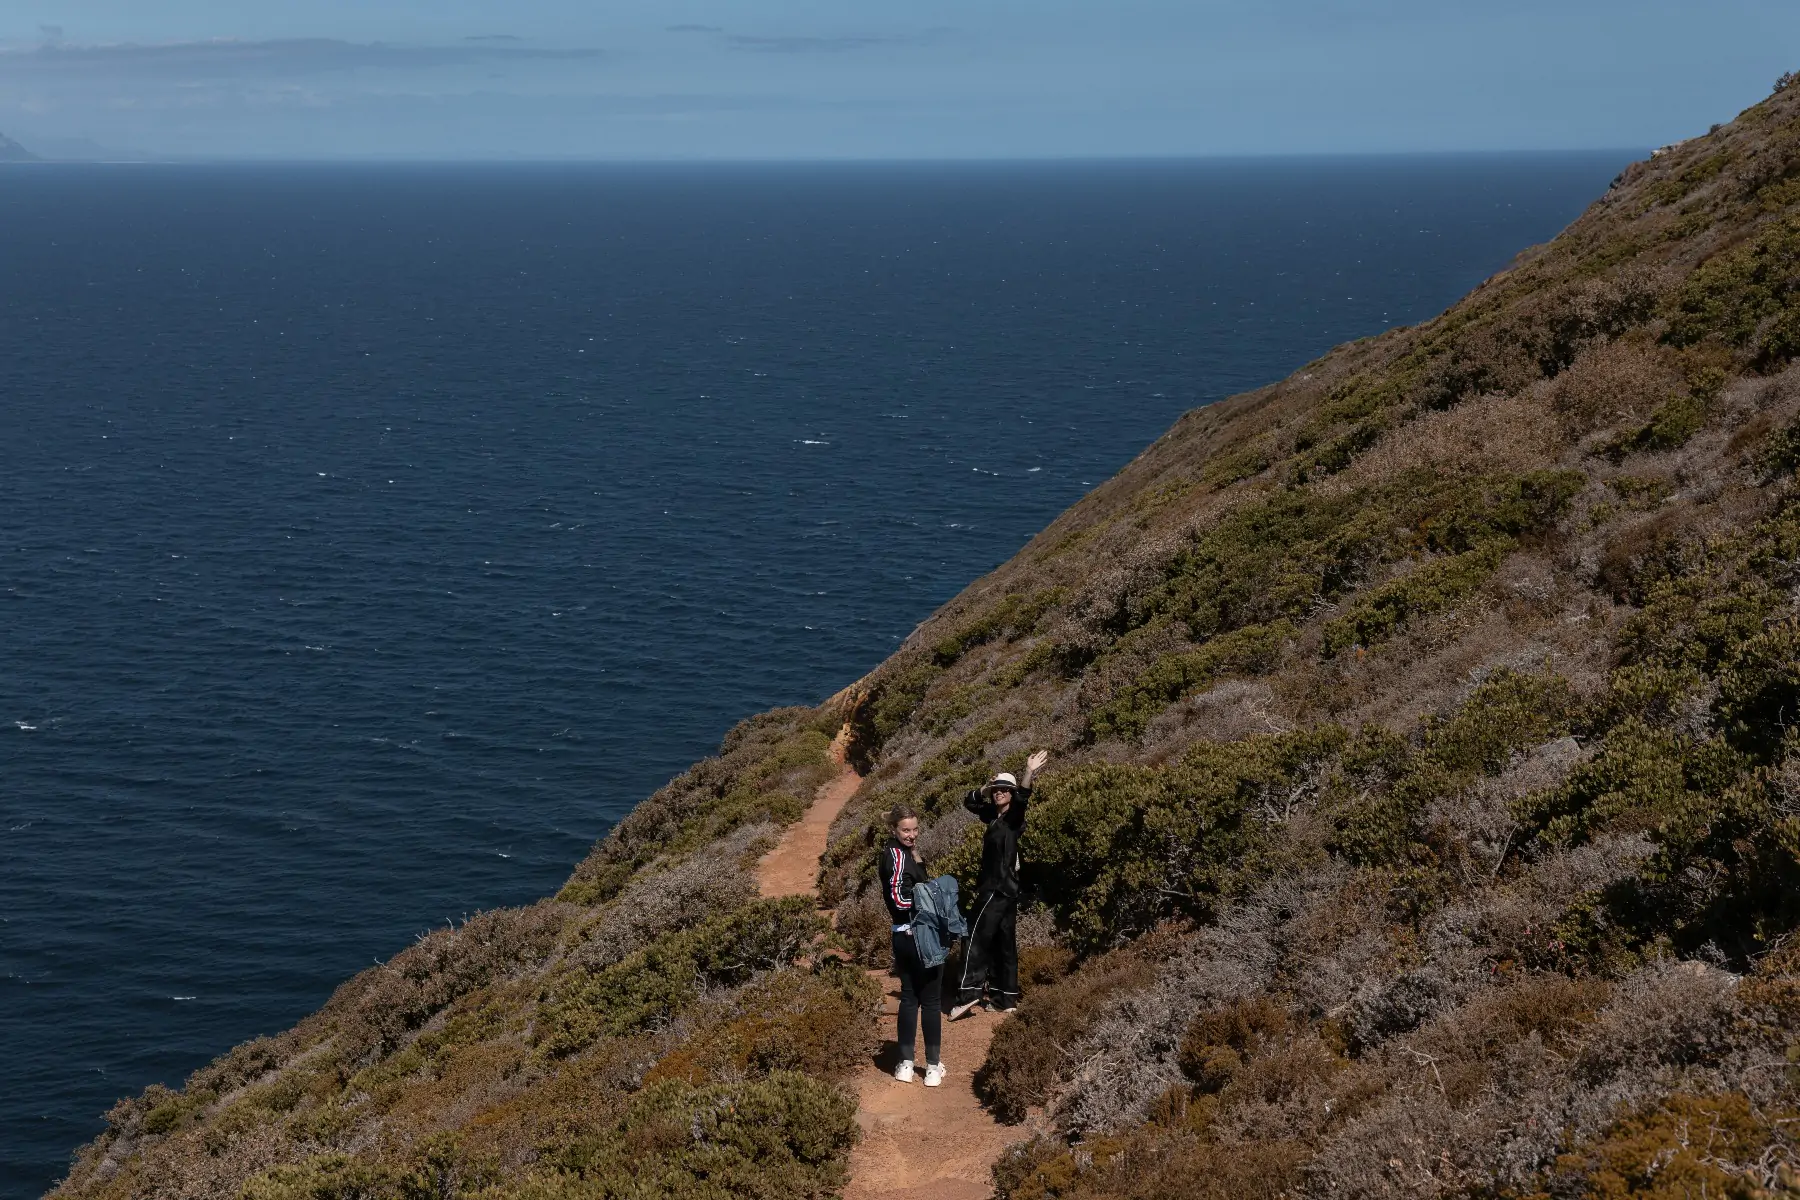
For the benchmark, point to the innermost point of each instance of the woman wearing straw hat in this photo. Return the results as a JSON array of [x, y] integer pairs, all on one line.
[[991, 956]]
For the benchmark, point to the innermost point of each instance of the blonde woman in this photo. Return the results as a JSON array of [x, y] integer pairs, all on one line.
[[920, 985]]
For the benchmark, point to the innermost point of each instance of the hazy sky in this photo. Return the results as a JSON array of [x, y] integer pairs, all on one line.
[[930, 78]]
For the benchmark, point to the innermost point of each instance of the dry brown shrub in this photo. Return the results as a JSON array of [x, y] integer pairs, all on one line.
[[1152, 1164], [1551, 1008], [1492, 433], [374, 1012], [1642, 551], [1229, 711], [713, 880], [1613, 384], [1129, 1055], [1030, 1050], [863, 922]]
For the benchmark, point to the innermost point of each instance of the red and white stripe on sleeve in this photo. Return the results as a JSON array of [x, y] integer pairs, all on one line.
[[898, 877]]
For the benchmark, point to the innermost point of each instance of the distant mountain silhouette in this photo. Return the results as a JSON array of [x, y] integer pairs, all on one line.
[[11, 151]]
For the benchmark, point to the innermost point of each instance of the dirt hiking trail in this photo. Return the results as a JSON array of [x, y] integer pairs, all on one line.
[[918, 1143]]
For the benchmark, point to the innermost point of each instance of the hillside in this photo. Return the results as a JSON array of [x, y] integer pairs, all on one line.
[[1423, 818]]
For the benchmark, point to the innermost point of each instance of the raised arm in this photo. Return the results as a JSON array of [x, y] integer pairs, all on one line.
[[979, 804], [1033, 765]]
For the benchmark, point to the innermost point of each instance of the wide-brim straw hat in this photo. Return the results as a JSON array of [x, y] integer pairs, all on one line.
[[1003, 782]]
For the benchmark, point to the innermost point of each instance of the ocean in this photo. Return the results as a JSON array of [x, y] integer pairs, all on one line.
[[372, 537]]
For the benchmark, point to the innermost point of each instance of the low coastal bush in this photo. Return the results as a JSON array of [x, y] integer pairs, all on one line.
[[817, 1021], [1253, 650], [1747, 297], [667, 976], [783, 1137], [1031, 1050], [376, 1011], [1115, 850], [765, 766], [1429, 588]]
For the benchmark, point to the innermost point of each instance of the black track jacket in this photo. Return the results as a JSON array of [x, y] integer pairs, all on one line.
[[900, 872]]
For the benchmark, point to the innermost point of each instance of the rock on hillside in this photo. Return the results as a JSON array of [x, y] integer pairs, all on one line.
[[11, 151], [1424, 817]]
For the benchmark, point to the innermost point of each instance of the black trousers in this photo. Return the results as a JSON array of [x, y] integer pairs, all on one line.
[[991, 955], [920, 1000]]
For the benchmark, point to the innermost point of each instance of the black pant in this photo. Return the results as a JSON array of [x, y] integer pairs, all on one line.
[[991, 956], [919, 997]]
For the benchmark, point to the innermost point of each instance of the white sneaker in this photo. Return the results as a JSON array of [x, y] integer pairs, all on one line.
[[934, 1074], [904, 1072], [963, 1010]]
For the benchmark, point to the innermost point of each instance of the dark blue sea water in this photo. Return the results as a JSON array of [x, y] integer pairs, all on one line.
[[371, 538]]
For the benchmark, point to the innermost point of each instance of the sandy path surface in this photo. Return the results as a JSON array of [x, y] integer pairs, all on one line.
[[918, 1143], [792, 867]]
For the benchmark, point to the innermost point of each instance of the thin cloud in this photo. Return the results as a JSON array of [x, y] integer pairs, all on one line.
[[694, 29], [808, 45], [278, 57], [492, 37]]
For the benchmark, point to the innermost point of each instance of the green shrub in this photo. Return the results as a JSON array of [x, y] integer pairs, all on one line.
[[1671, 424], [1280, 556], [1265, 561], [1432, 587], [816, 1021], [1746, 297], [325, 1177], [1780, 455], [1676, 419], [1113, 850], [1724, 871], [1468, 514], [1377, 798], [1637, 781], [1338, 453], [1696, 621], [786, 1137], [893, 698], [665, 977], [1511, 711], [1237, 463], [1253, 650], [1759, 691], [168, 1110], [1012, 618]]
